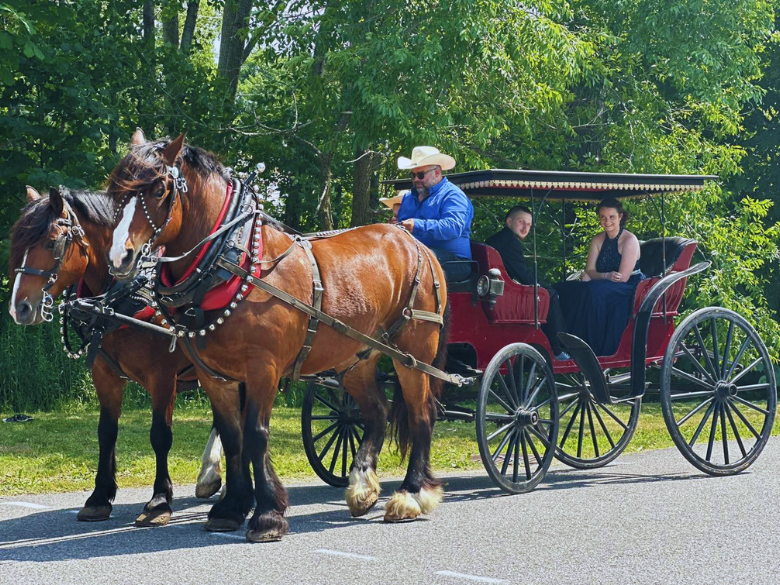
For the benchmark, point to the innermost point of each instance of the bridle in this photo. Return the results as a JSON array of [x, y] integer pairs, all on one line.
[[73, 231], [179, 187]]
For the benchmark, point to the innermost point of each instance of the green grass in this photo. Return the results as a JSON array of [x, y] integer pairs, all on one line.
[[58, 451]]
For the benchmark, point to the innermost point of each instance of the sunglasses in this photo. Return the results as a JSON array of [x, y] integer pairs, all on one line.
[[421, 174]]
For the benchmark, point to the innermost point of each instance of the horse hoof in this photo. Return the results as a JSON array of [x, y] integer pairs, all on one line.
[[222, 525], [94, 513], [402, 507], [153, 518], [361, 508], [205, 489], [273, 535], [363, 491]]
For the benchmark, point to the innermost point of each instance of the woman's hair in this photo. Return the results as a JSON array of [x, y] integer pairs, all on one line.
[[612, 203]]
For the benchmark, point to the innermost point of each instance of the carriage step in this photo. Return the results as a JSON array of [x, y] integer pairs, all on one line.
[[583, 356]]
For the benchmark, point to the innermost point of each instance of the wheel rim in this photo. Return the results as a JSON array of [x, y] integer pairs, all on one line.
[[591, 434], [332, 432], [517, 418], [718, 391]]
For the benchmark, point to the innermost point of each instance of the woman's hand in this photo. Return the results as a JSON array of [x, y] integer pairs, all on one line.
[[613, 276]]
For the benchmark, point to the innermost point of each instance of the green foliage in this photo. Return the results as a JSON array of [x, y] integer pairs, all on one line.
[[683, 86]]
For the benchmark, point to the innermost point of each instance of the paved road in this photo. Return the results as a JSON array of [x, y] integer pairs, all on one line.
[[649, 518]]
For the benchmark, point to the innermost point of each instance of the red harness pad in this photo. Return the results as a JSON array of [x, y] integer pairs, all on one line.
[[145, 314]]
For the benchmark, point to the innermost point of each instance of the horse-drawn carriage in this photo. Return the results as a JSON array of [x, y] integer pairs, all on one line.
[[247, 303], [712, 374]]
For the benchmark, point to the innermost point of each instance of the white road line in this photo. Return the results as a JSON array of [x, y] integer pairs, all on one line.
[[337, 553], [469, 577], [27, 505]]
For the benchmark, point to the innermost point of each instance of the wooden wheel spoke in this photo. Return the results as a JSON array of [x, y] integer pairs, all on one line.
[[318, 436], [581, 430], [735, 430], [704, 351], [604, 427], [751, 405], [511, 390], [727, 349], [593, 432], [701, 425], [715, 352], [525, 456], [537, 388], [685, 419], [724, 438], [713, 431], [745, 421], [336, 452], [321, 399], [326, 449], [506, 407], [506, 427], [687, 353], [692, 379], [570, 425], [508, 456], [613, 416], [735, 363], [502, 444], [533, 447], [739, 376]]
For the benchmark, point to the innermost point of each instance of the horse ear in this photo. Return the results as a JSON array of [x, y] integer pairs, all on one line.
[[32, 194], [171, 152], [56, 201], [138, 137]]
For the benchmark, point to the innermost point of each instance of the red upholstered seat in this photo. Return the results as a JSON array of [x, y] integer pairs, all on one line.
[[516, 305], [679, 252]]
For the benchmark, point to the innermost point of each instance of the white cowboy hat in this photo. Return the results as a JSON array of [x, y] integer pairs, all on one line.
[[426, 155], [390, 201]]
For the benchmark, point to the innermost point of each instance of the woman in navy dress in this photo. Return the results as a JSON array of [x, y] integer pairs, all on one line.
[[597, 310]]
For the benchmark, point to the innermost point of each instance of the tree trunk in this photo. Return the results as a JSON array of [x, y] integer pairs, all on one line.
[[325, 214], [170, 30], [231, 44], [146, 103], [189, 26], [361, 189]]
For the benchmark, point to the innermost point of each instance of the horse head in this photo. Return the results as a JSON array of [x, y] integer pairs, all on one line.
[[43, 261], [147, 185]]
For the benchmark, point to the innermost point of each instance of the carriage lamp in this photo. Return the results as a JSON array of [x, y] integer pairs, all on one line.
[[490, 286]]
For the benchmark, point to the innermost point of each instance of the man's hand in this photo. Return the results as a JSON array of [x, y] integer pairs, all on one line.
[[408, 224]]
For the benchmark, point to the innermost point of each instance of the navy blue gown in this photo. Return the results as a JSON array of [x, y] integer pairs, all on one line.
[[597, 311]]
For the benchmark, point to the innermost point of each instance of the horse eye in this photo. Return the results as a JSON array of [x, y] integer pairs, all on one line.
[[50, 245]]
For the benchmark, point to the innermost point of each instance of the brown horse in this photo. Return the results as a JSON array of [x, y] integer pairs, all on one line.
[[368, 277], [56, 243]]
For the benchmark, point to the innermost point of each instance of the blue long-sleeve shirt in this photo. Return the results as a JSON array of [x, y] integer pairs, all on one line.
[[442, 220]]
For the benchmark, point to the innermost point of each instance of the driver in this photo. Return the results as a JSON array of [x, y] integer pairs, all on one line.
[[437, 212]]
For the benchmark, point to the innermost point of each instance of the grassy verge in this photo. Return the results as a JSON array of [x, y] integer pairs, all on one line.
[[59, 451]]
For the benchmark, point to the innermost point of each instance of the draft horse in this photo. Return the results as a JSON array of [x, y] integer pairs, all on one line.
[[173, 195], [57, 243]]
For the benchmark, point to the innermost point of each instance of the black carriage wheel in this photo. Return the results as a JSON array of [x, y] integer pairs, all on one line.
[[718, 391], [333, 429], [592, 434], [517, 418]]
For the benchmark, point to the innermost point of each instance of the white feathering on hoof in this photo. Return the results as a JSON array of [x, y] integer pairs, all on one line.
[[363, 491], [402, 506], [429, 497]]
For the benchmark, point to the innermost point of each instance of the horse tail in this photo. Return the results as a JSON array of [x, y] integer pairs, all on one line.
[[400, 432]]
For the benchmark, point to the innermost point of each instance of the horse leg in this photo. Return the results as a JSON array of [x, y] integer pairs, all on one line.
[[414, 413], [268, 522], [210, 476], [229, 513], [157, 511], [360, 382], [109, 388]]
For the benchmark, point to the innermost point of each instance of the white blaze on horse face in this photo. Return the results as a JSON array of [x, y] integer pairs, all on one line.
[[121, 233], [17, 282]]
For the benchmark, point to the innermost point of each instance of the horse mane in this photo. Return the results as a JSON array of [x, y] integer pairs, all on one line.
[[38, 219], [142, 166]]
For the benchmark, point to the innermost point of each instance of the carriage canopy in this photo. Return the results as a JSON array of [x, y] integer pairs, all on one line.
[[567, 185]]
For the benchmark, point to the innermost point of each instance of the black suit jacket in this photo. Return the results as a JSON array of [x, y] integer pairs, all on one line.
[[511, 249]]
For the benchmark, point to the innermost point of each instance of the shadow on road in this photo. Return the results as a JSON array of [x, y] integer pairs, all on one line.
[[55, 535]]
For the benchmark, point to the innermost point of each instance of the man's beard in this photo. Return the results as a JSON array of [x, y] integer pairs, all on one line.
[[423, 191]]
